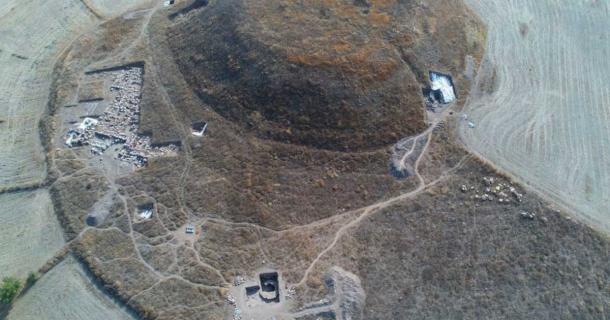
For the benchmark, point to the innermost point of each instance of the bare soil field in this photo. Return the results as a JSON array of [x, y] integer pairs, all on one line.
[[29, 232], [34, 33], [542, 101], [107, 9], [67, 292], [33, 37]]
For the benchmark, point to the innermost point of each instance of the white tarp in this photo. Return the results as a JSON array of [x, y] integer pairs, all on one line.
[[442, 83], [71, 137], [145, 214], [87, 123], [200, 132]]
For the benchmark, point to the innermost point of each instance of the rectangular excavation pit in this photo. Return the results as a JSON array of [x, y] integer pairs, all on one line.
[[252, 290], [441, 88], [145, 211], [193, 6], [270, 287], [198, 128], [137, 64]]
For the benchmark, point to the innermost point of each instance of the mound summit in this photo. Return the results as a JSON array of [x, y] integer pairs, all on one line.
[[338, 75]]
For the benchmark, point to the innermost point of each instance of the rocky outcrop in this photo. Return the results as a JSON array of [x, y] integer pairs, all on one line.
[[349, 293]]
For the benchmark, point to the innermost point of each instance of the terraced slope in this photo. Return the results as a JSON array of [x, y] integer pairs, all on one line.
[[542, 110]]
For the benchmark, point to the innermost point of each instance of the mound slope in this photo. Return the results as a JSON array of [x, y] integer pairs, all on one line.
[[259, 203], [339, 75]]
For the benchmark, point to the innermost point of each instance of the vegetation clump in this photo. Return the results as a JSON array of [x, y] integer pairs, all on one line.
[[31, 279], [9, 289]]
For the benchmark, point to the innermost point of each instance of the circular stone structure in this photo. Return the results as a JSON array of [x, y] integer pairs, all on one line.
[[338, 75]]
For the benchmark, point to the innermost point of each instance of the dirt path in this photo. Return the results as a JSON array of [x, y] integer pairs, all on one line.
[[376, 207]]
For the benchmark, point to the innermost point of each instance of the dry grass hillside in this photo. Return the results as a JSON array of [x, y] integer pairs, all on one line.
[[339, 75], [293, 172]]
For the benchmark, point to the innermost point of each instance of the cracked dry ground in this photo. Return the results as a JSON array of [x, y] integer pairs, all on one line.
[[421, 247]]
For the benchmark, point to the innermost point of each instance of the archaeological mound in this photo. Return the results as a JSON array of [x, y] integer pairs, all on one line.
[[337, 75]]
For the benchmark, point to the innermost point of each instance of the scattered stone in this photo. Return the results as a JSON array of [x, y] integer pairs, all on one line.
[[517, 195], [290, 292], [237, 314], [527, 215], [231, 299], [238, 281], [119, 123], [488, 180]]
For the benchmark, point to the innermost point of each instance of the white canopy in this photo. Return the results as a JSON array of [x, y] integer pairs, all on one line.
[[442, 83]]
